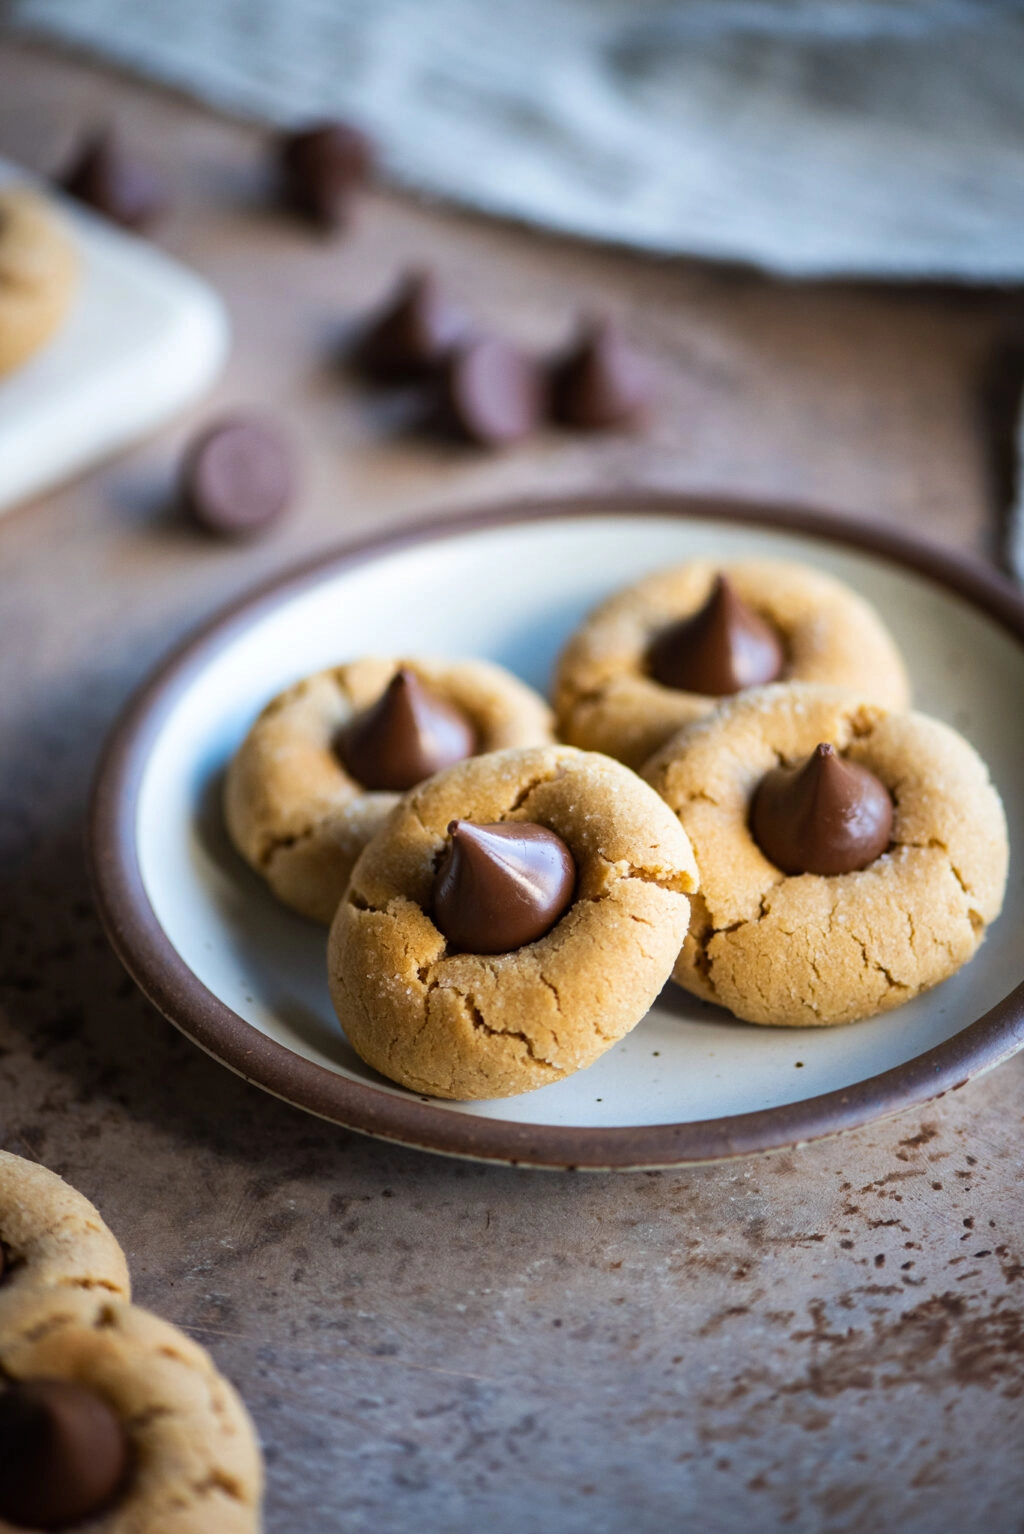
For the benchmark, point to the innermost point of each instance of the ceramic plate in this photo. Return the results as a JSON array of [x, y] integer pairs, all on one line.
[[144, 337], [245, 979]]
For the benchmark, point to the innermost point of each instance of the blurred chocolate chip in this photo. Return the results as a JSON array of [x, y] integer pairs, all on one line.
[[322, 166], [407, 735], [491, 393], [4, 1264], [63, 1454], [718, 650], [415, 332], [109, 180], [602, 382], [501, 886], [238, 476], [823, 816]]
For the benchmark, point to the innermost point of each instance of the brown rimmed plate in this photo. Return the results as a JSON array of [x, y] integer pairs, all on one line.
[[245, 980]]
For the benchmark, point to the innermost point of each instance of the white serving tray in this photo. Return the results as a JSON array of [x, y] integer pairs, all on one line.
[[143, 338]]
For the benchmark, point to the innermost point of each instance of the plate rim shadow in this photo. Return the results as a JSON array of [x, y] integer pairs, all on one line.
[[147, 953]]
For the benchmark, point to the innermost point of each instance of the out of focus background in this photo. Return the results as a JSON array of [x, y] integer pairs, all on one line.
[[811, 137]]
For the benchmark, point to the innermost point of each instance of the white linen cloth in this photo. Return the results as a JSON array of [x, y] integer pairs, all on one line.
[[811, 137]]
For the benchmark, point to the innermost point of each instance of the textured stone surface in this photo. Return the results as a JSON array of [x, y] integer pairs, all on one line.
[[828, 1340]]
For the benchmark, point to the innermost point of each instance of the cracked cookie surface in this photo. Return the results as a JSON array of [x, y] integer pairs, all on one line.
[[811, 949], [195, 1462], [293, 811], [463, 1025], [52, 1238], [38, 274], [605, 700]]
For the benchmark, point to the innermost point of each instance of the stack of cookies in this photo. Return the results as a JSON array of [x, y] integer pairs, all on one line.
[[107, 1414], [731, 791]]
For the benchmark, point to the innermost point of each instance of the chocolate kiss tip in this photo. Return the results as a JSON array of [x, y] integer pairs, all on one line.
[[602, 383], [721, 649], [63, 1454], [824, 816], [499, 887], [407, 735], [415, 332]]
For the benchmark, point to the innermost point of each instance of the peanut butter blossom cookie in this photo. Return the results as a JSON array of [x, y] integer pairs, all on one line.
[[327, 760], [38, 274], [51, 1238], [109, 1414], [850, 857], [513, 919], [662, 652]]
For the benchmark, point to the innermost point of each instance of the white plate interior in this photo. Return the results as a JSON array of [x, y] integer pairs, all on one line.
[[513, 595], [143, 338]]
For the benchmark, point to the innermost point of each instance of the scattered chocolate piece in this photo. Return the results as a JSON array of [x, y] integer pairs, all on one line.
[[108, 180], [419, 328], [499, 887], [63, 1454], [720, 649], [492, 393], [407, 735], [602, 383], [321, 167], [238, 476], [823, 816], [4, 1265]]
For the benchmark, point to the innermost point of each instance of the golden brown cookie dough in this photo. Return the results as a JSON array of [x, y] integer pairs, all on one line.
[[464, 1025], [293, 811], [606, 701], [196, 1465], [52, 1238], [38, 274], [810, 949]]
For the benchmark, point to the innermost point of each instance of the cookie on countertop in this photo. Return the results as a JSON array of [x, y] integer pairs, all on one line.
[[38, 274], [830, 947], [442, 1019], [139, 1431], [663, 651], [326, 761], [51, 1237]]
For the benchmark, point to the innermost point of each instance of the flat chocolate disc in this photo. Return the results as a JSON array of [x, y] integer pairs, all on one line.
[[823, 816], [492, 393], [499, 887], [108, 180], [407, 735], [63, 1454], [238, 476], [321, 167], [602, 383], [721, 649], [418, 329]]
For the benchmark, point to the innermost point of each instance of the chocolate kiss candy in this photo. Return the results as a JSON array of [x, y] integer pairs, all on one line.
[[106, 179], [824, 816], [63, 1454], [499, 887], [492, 393], [602, 383], [720, 649], [414, 334], [321, 166], [237, 476], [407, 735]]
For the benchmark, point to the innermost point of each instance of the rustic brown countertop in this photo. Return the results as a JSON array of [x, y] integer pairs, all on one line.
[[827, 1340]]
